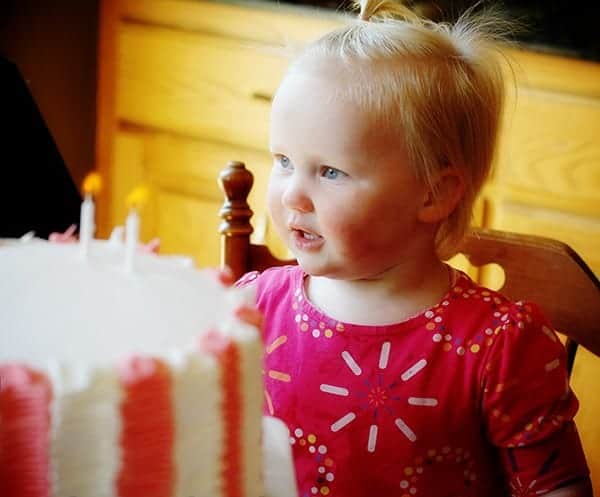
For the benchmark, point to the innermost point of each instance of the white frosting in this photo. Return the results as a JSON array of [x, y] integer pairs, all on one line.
[[198, 427], [57, 306], [280, 480], [251, 352], [85, 435]]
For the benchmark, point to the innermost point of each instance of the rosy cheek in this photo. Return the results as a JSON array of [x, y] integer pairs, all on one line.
[[354, 232], [350, 236]]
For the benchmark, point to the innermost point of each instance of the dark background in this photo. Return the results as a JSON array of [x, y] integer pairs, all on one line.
[[53, 43], [48, 60], [563, 27]]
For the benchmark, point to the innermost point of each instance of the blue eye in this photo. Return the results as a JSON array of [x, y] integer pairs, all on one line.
[[331, 172], [283, 161]]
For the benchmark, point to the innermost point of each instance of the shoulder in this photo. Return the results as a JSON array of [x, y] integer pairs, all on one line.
[[273, 283], [469, 307], [526, 339], [475, 304], [493, 324], [512, 320], [510, 335]]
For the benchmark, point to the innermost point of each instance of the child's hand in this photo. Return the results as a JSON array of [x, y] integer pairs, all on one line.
[[251, 315], [225, 276], [246, 313]]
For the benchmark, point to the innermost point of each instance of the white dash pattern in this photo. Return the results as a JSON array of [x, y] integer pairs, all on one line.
[[372, 438], [384, 356], [343, 421], [334, 390], [422, 401], [413, 370], [403, 427], [349, 360]]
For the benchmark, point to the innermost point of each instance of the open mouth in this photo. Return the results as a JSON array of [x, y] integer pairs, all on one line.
[[306, 235], [305, 240]]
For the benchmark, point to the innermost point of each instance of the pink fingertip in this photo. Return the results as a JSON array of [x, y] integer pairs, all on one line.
[[225, 276], [249, 315]]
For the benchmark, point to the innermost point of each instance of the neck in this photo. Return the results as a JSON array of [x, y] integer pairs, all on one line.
[[393, 296]]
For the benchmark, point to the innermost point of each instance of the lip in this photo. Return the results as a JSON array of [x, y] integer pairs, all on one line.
[[302, 243]]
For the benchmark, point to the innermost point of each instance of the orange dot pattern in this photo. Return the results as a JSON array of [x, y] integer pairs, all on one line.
[[411, 475], [306, 324], [442, 335], [325, 465]]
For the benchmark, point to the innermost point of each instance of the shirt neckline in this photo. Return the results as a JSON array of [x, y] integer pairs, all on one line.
[[316, 316]]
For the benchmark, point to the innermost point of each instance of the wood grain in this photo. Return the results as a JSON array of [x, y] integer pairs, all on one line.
[[196, 85]]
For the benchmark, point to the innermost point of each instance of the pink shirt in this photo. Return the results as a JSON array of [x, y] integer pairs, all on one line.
[[465, 399]]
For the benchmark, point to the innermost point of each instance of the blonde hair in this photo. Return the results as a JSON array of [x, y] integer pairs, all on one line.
[[440, 84]]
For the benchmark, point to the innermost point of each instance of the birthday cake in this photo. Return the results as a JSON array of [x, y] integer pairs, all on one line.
[[124, 374]]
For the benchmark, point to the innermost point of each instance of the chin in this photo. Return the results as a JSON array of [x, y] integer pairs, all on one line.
[[322, 271], [312, 269]]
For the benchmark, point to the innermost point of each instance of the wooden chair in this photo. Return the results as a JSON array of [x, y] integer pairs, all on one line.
[[538, 269]]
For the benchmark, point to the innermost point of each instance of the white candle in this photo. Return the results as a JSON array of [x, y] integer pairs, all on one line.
[[132, 235], [87, 225]]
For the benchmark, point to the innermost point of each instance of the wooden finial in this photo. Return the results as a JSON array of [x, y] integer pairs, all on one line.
[[236, 182]]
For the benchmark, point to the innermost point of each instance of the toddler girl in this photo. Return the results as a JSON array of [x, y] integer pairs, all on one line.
[[397, 375]]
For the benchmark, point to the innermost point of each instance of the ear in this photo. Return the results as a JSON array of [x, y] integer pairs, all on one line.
[[441, 200]]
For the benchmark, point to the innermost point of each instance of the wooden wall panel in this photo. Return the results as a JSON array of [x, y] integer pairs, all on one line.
[[181, 174], [178, 213], [196, 84], [552, 148]]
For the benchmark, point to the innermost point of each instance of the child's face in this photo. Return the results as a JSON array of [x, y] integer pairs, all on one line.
[[341, 193]]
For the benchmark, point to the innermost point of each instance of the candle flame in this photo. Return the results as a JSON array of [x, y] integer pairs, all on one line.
[[92, 184], [138, 197]]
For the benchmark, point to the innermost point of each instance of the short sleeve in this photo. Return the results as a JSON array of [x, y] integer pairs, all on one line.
[[528, 405], [247, 279]]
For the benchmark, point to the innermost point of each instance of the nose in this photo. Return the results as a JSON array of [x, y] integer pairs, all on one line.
[[296, 195]]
